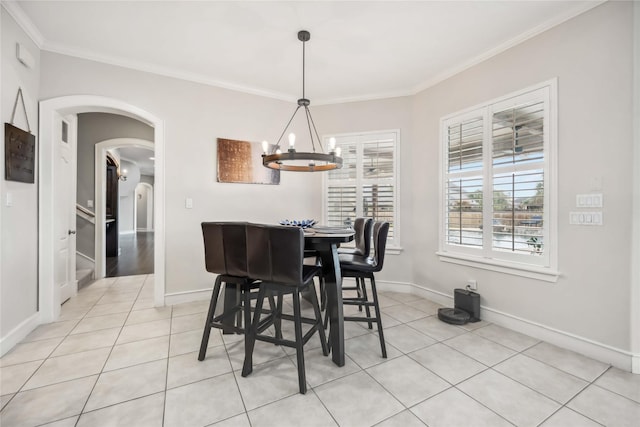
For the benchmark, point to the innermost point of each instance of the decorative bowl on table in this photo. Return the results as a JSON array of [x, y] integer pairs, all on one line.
[[302, 223]]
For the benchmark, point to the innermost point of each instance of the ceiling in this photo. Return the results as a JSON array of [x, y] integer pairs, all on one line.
[[358, 49], [140, 156]]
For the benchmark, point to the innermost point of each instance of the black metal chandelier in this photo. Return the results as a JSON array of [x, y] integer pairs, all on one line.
[[299, 161]]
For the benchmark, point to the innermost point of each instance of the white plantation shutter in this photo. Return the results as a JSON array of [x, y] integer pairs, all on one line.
[[496, 191], [366, 185]]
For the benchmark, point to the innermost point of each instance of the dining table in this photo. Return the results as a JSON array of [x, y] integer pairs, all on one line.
[[326, 247]]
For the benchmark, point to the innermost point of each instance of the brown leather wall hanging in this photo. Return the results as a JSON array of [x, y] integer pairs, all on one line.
[[19, 148]]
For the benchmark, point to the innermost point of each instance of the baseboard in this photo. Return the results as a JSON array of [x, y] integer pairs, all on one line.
[[189, 296], [144, 230], [122, 233], [602, 352], [19, 333]]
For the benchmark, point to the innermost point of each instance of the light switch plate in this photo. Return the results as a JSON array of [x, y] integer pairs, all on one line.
[[188, 203], [589, 200], [586, 218]]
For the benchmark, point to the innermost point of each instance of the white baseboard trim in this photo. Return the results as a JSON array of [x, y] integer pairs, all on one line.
[[602, 352], [188, 296], [19, 333], [127, 232], [144, 230]]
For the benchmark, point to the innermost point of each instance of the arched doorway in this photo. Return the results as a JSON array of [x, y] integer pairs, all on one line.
[[49, 296]]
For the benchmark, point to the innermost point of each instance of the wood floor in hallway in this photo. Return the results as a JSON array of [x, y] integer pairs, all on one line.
[[136, 256]]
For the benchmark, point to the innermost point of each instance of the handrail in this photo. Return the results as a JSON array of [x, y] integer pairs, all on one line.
[[85, 214]]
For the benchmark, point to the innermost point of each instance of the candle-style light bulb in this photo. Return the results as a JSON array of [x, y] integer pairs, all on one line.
[[332, 144], [265, 147], [338, 151], [292, 140], [278, 151]]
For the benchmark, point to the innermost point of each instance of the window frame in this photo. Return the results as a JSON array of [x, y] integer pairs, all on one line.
[[359, 138], [545, 267]]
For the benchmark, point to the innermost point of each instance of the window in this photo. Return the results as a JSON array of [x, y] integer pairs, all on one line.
[[498, 184], [366, 185]]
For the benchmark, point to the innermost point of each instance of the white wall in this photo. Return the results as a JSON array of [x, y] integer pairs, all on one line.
[[127, 196], [19, 223], [195, 115], [591, 56]]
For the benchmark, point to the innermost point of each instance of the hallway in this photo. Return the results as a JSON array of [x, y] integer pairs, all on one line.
[[136, 256]]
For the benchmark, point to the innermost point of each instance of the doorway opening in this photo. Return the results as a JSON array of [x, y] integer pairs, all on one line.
[[49, 294]]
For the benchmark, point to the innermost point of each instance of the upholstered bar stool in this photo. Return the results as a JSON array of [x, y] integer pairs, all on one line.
[[225, 253], [361, 268], [275, 257]]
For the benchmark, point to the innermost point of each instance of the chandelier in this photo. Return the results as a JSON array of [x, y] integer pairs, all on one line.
[[300, 161]]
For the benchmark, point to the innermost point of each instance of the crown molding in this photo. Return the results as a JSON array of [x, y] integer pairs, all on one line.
[[13, 8]]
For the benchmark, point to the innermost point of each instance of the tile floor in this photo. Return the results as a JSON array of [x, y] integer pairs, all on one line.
[[112, 359]]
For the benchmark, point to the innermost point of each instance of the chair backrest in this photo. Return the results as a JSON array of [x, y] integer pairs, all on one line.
[[380, 232], [225, 248], [362, 228], [275, 253]]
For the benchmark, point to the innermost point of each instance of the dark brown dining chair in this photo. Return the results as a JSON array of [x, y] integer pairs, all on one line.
[[225, 254], [361, 268], [363, 228], [275, 257]]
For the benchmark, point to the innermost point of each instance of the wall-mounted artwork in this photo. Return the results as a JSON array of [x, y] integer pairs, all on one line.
[[19, 154], [241, 162]]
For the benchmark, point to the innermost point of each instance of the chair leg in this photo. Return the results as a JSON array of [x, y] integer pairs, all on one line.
[[250, 335], [302, 381], [210, 315], [318, 324], [366, 298], [376, 306]]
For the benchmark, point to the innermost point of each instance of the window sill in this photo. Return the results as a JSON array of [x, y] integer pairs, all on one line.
[[532, 272]]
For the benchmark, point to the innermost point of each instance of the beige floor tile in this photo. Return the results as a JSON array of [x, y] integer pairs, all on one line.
[[268, 382], [30, 351], [407, 380], [137, 352], [406, 339], [51, 330], [13, 377], [568, 361], [145, 330], [54, 402], [481, 349], [454, 408], [187, 342], [301, 410], [203, 403], [404, 313], [565, 417], [241, 420], [621, 382], [143, 412], [365, 350], [90, 324], [374, 403], [607, 408], [4, 399], [87, 341], [186, 368], [263, 352], [67, 422], [75, 313], [114, 308], [189, 322], [403, 419], [148, 315], [545, 379], [508, 338], [128, 383], [143, 303], [320, 369], [194, 307], [435, 328], [68, 367], [505, 396], [428, 307], [447, 363]]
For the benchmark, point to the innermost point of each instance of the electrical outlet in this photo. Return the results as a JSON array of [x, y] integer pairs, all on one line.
[[472, 285]]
